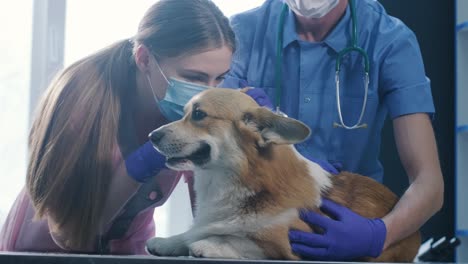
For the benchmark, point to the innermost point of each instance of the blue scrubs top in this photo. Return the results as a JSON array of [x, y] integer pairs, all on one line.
[[398, 84]]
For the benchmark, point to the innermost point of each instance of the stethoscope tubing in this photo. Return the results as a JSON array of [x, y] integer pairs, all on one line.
[[353, 48]]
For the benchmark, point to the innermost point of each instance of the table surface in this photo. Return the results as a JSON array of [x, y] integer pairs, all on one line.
[[52, 258]]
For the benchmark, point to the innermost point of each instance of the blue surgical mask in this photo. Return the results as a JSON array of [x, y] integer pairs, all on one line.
[[178, 93]]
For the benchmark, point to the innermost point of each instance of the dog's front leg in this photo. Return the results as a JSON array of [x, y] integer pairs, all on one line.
[[170, 246], [178, 245], [226, 247]]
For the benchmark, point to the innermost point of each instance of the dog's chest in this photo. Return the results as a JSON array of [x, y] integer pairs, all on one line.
[[220, 199], [219, 193]]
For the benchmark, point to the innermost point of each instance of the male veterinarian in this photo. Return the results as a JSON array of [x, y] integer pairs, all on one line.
[[342, 66]]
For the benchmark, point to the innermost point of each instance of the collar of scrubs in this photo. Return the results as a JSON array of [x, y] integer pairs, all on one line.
[[339, 37]]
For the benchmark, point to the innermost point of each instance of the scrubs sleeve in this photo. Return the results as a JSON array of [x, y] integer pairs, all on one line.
[[237, 75], [403, 82]]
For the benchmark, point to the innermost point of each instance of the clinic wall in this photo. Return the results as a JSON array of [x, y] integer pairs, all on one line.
[[433, 23]]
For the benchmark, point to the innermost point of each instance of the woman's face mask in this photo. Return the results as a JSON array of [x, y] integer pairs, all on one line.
[[178, 93], [312, 8]]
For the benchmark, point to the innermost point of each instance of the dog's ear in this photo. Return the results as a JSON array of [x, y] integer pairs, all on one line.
[[274, 128]]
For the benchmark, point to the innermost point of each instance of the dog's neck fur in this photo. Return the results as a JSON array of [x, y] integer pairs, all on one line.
[[271, 183], [283, 176]]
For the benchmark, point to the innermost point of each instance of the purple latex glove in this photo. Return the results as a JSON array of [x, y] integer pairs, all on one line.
[[144, 162], [259, 95], [347, 236], [331, 167]]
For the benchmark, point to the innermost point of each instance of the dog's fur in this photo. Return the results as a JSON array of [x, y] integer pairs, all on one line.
[[250, 182]]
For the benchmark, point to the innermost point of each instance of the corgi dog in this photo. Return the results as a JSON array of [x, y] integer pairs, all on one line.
[[251, 183]]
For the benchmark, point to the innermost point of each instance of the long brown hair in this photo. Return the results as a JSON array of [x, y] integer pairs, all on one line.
[[79, 123]]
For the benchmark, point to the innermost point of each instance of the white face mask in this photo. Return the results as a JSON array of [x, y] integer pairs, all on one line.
[[312, 8]]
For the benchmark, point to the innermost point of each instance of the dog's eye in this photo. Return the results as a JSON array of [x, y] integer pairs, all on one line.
[[198, 115]]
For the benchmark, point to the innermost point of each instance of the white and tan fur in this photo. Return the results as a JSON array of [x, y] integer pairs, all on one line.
[[250, 181]]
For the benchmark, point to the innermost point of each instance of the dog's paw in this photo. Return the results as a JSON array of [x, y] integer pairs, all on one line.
[[160, 246], [208, 248]]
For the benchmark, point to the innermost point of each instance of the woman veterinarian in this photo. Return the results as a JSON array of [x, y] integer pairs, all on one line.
[[93, 179], [342, 66]]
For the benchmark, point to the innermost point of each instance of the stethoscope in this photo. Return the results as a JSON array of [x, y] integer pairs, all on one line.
[[341, 54]]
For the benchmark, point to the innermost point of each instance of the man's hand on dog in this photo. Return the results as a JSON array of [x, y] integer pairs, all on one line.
[[346, 236], [258, 94]]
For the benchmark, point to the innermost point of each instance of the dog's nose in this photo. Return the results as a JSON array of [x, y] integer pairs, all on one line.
[[156, 136]]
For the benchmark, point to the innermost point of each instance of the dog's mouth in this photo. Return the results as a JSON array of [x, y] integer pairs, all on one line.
[[199, 157]]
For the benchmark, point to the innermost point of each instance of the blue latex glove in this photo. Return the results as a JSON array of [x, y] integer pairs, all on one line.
[[347, 236], [144, 162]]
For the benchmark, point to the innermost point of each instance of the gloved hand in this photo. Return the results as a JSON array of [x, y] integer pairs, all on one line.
[[331, 167], [347, 236], [258, 94], [144, 162]]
